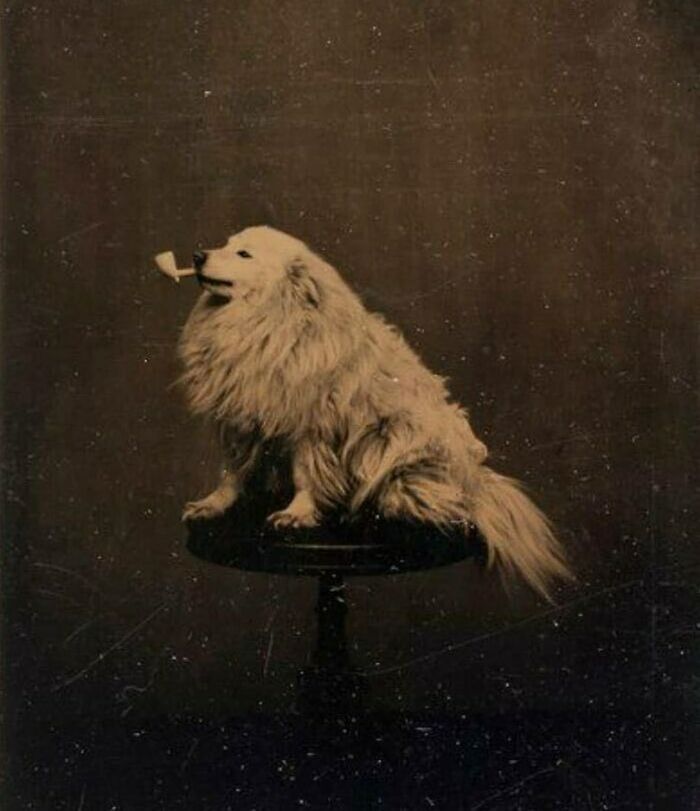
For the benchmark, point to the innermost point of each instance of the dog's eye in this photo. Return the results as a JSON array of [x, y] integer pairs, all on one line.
[[244, 254]]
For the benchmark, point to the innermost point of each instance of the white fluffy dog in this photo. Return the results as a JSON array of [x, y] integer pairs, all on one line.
[[279, 347]]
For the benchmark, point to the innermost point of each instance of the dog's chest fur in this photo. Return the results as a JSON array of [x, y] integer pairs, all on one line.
[[250, 369]]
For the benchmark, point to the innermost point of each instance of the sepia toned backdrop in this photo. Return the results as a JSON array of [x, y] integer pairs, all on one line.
[[511, 184]]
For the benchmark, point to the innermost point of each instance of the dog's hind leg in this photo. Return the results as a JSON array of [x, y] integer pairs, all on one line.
[[417, 494], [241, 452]]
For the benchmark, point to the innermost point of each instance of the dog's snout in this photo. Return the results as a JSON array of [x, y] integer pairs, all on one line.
[[199, 258]]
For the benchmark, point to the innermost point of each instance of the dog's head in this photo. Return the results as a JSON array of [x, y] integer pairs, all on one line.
[[259, 263]]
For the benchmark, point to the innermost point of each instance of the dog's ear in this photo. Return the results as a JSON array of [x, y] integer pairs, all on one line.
[[304, 286]]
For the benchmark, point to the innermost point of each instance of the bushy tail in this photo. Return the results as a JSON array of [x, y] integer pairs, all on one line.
[[518, 535]]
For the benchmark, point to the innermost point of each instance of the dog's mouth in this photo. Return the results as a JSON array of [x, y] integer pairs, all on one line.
[[202, 279]]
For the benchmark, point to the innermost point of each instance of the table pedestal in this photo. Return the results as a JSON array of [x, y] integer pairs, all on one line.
[[330, 686]]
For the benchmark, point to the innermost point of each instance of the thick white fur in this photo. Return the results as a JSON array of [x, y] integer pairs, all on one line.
[[288, 351]]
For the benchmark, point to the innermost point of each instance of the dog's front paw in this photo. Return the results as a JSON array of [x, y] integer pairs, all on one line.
[[295, 520], [209, 507]]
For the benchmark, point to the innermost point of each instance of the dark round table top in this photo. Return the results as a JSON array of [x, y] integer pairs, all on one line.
[[241, 539]]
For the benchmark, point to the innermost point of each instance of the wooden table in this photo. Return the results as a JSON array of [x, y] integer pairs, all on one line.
[[330, 553]]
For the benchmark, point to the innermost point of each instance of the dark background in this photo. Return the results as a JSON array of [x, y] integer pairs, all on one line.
[[512, 184]]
